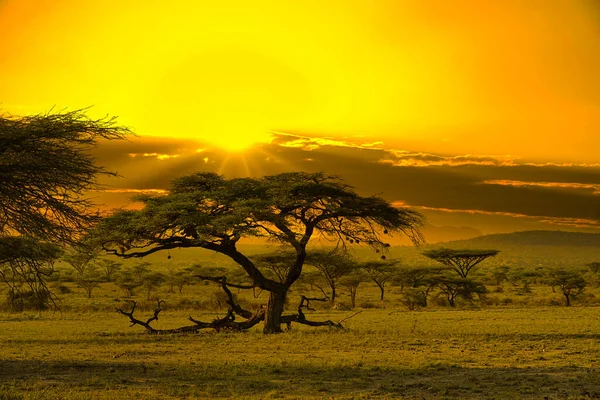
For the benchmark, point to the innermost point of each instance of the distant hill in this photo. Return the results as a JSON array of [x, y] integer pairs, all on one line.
[[529, 238], [436, 234]]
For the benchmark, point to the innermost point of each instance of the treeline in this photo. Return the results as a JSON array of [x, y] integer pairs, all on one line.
[[336, 278]]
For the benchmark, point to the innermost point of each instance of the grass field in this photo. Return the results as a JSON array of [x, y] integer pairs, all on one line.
[[497, 353]]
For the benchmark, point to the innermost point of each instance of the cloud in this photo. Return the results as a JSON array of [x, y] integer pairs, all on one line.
[[144, 191], [559, 221], [593, 187], [308, 143], [403, 158], [158, 156], [488, 186]]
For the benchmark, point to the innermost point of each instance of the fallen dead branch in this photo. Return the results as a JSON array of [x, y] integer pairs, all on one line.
[[228, 322]]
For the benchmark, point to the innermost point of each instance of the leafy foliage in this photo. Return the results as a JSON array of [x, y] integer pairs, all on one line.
[[569, 282], [45, 168], [461, 261], [381, 272], [207, 211], [25, 264]]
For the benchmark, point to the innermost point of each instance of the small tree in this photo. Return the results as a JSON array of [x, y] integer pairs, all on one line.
[[151, 282], [333, 265], [459, 287], [381, 272], [181, 279], [90, 279], [110, 268], [82, 257], [127, 280], [352, 281], [416, 283], [570, 283], [461, 261]]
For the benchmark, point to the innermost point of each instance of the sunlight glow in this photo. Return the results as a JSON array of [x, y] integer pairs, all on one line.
[[440, 76]]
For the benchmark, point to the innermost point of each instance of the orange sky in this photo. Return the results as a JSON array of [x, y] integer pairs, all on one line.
[[483, 115], [512, 77]]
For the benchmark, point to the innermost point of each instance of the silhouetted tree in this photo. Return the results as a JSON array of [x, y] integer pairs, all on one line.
[[90, 279], [461, 261], [459, 287], [570, 283], [381, 272], [25, 265], [207, 211], [110, 268], [45, 170], [152, 281], [417, 282], [333, 265], [352, 281], [81, 258]]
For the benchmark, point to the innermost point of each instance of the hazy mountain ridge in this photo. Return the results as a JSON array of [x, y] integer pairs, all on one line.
[[530, 238]]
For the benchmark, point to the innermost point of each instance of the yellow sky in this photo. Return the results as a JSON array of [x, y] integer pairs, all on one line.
[[513, 77]]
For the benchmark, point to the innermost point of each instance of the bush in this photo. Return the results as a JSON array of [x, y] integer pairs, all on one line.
[[62, 289], [28, 300]]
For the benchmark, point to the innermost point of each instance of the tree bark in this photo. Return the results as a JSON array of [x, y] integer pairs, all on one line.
[[332, 295], [274, 311], [568, 298], [382, 289]]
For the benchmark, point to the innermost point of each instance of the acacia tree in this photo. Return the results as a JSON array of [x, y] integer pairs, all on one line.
[[570, 283], [461, 261], [82, 258], [332, 265], [381, 272], [351, 282], [417, 282], [453, 287], [110, 268], [205, 210], [45, 169], [90, 279]]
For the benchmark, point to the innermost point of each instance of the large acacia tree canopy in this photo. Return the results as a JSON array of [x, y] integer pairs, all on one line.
[[205, 210], [45, 169]]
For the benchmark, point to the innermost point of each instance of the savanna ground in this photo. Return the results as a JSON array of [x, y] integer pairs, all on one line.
[[496, 352]]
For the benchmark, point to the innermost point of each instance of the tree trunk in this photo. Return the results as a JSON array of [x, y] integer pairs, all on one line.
[[451, 300], [274, 311], [568, 298], [382, 289], [332, 295], [353, 296]]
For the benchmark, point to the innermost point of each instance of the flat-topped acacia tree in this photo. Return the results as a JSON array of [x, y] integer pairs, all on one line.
[[205, 210], [461, 261]]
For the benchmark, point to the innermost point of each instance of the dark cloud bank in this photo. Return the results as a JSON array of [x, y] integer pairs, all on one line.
[[463, 195]]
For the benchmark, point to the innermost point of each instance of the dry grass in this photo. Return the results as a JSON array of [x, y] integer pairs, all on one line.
[[384, 353]]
